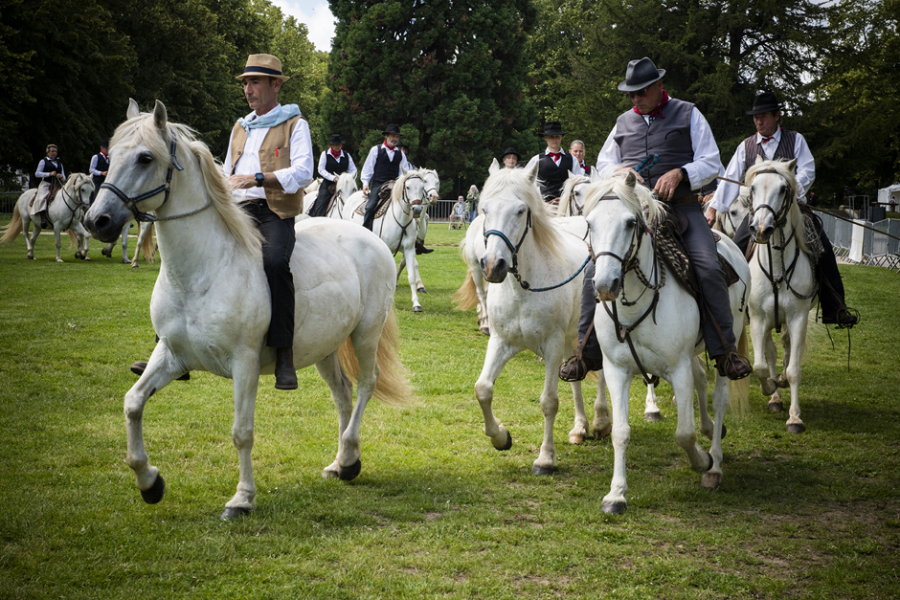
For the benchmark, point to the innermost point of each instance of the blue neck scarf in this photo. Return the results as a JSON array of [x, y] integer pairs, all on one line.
[[276, 116]]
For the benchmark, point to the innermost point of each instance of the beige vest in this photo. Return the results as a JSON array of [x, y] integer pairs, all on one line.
[[274, 154]]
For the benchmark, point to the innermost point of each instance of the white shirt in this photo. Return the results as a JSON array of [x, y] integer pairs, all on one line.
[[576, 166], [706, 166], [323, 161], [292, 179], [727, 193], [41, 171], [369, 166], [93, 169]]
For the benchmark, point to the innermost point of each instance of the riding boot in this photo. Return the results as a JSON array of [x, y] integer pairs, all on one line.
[[421, 249], [140, 366], [588, 357], [45, 219], [732, 365], [285, 374]]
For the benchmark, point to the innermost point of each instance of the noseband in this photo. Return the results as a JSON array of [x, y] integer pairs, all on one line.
[[514, 269], [631, 255], [131, 202]]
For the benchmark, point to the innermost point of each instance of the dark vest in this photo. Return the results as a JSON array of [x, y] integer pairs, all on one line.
[[669, 137], [784, 151], [386, 169], [336, 167], [52, 165], [552, 178], [102, 165]]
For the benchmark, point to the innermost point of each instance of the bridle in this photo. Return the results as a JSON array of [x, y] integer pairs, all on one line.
[[410, 203], [131, 202], [80, 203]]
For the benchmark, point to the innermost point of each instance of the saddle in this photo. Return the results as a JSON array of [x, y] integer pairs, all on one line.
[[55, 186], [384, 200], [332, 190]]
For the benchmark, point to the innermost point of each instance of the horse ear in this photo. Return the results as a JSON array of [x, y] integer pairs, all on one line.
[[133, 109], [630, 179], [595, 175], [792, 165], [495, 166], [759, 159], [403, 171], [532, 172], [160, 116]]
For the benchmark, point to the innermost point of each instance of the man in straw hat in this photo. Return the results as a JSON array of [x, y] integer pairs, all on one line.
[[688, 158], [554, 164], [269, 162], [771, 142], [383, 163], [332, 163]]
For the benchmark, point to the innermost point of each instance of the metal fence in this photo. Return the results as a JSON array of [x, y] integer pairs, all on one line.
[[8, 202], [440, 210], [876, 249]]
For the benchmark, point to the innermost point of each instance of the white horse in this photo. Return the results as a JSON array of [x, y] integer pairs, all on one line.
[[534, 270], [210, 304], [397, 227], [571, 201], [345, 186], [784, 285], [66, 213], [432, 185], [144, 243], [728, 221], [661, 322]]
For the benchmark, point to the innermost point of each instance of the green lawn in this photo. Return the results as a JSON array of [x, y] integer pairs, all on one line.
[[436, 511]]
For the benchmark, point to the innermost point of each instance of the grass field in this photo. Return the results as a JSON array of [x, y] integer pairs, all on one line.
[[436, 511]]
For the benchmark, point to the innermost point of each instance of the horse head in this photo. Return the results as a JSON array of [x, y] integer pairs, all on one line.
[[432, 185], [619, 214], [772, 190], [571, 201], [410, 188]]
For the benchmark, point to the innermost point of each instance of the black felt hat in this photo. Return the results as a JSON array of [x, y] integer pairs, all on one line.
[[512, 151], [640, 74], [765, 102], [553, 128], [392, 129], [335, 139]]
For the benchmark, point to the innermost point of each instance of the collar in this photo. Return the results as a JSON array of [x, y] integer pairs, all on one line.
[[388, 147], [106, 156], [760, 139], [336, 156], [656, 111]]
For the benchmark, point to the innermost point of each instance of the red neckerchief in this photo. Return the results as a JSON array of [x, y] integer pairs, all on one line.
[[656, 111], [105, 157], [389, 147], [766, 139], [555, 155], [335, 155]]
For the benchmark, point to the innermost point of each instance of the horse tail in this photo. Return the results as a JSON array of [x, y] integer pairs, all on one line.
[[739, 391], [392, 386], [148, 248], [14, 228], [466, 297], [73, 239]]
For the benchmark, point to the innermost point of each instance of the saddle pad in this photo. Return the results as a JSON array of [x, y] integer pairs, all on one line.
[[384, 200]]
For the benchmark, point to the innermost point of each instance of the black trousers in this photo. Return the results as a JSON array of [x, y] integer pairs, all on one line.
[[320, 206], [278, 245], [372, 203], [831, 287]]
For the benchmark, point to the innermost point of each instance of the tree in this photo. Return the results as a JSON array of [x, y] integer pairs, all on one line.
[[455, 71]]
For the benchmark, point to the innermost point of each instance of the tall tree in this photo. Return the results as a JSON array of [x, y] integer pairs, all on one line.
[[454, 70]]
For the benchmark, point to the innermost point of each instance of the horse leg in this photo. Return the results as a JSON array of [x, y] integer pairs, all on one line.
[[781, 381], [56, 234], [713, 476], [83, 239], [546, 460], [771, 352], [161, 369], [699, 374], [400, 268], [29, 241], [498, 354], [685, 431], [761, 336], [580, 427], [409, 254], [619, 383], [602, 425], [245, 374], [330, 370], [792, 369], [125, 231], [651, 408]]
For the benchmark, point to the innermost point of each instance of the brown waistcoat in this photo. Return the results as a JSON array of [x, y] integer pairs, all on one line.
[[277, 142]]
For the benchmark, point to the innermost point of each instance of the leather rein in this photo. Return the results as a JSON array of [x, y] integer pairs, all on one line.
[[131, 202]]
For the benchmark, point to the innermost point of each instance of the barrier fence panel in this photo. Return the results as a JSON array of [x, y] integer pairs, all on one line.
[[440, 210], [8, 202]]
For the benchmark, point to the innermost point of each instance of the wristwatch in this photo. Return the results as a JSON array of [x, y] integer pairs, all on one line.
[[259, 179], [684, 173]]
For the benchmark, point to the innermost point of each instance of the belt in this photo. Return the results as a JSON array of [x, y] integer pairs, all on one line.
[[259, 201], [685, 200]]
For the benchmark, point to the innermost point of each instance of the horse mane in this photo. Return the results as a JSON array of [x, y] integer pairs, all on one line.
[[795, 217], [566, 198], [400, 185], [141, 129], [639, 199], [343, 177], [546, 233]]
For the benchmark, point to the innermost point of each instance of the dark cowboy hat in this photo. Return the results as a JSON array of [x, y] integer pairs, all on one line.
[[509, 151], [393, 128], [553, 128], [104, 143], [765, 102], [335, 139], [640, 74]]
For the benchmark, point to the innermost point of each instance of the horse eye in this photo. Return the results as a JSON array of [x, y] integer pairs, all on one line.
[[145, 158]]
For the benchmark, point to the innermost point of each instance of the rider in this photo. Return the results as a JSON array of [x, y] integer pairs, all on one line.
[[383, 164], [332, 163], [772, 142], [688, 158], [576, 149], [50, 170], [99, 167], [554, 163], [510, 158]]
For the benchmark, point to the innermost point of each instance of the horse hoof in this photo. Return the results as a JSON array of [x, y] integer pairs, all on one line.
[[154, 493], [782, 382], [485, 330], [613, 508], [508, 443], [652, 417], [350, 473], [767, 387], [233, 513], [126, 262], [776, 407], [422, 290], [602, 433], [536, 470], [30, 257], [79, 255], [417, 309], [576, 438], [796, 428], [711, 481], [105, 253]]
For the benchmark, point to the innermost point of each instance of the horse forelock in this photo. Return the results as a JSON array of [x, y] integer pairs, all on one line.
[[795, 217], [141, 130], [509, 184], [638, 199]]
